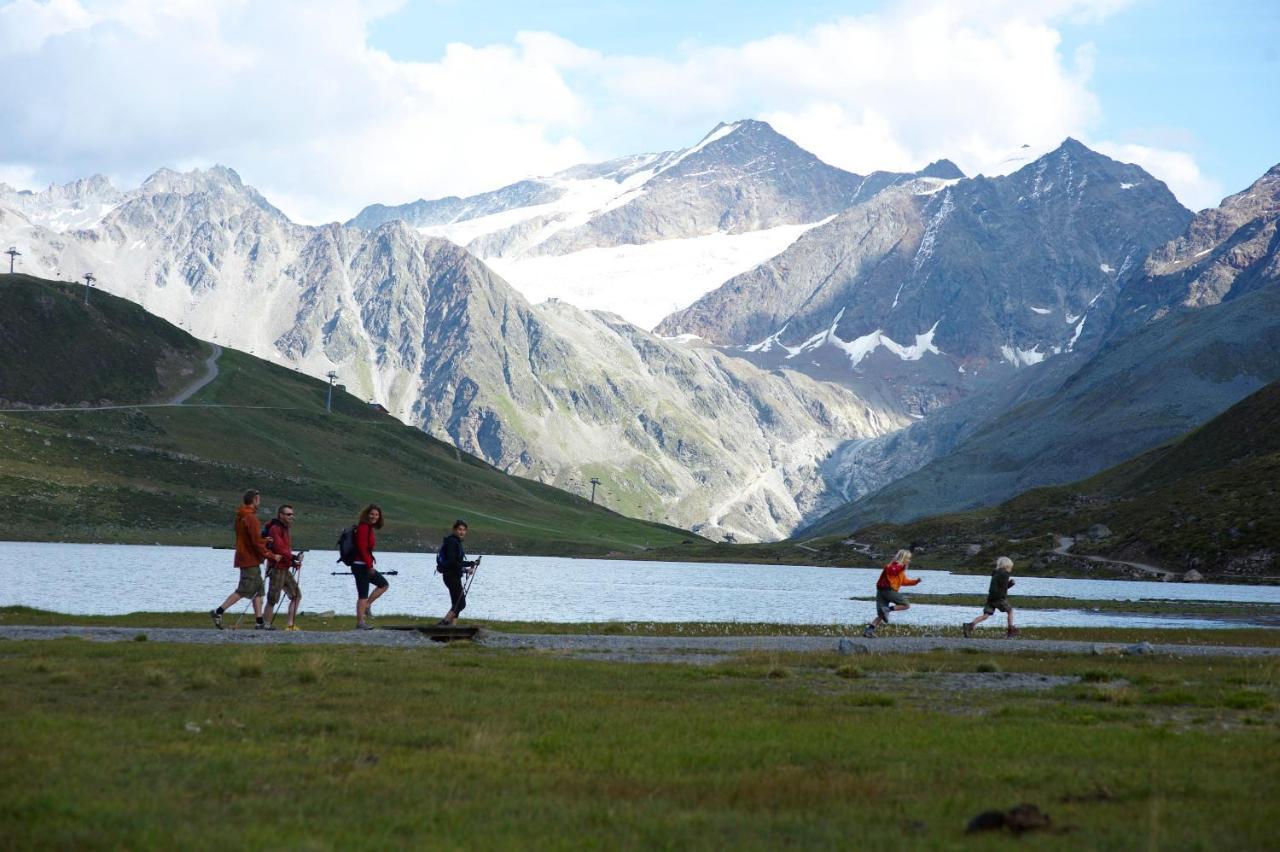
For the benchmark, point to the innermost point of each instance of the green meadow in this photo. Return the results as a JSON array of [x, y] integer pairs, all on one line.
[[144, 745]]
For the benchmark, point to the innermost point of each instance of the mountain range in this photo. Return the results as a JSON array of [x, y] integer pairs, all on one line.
[[821, 338]]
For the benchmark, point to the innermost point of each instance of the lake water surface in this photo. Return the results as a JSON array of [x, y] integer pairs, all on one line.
[[100, 579]]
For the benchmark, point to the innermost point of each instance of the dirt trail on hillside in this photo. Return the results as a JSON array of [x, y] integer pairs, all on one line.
[[210, 373], [1065, 543]]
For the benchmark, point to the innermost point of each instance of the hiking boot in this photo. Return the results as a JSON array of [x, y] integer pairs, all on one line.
[[264, 627], [1012, 633], [363, 626], [868, 632], [217, 618], [967, 630], [292, 627]]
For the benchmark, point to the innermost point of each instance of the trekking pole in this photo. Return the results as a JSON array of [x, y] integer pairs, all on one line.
[[243, 610], [471, 578]]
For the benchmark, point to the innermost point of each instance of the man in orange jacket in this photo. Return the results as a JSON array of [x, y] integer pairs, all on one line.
[[250, 551], [888, 598]]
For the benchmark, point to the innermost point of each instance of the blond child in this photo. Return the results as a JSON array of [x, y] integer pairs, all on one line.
[[888, 598], [997, 598]]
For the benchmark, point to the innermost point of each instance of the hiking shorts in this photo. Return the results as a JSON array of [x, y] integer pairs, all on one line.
[[366, 576], [884, 597], [250, 582], [282, 579], [991, 606]]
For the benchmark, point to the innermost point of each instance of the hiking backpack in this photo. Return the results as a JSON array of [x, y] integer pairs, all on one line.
[[347, 547]]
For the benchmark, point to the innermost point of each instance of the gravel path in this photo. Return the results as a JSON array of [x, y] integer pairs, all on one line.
[[210, 373], [209, 636], [638, 648]]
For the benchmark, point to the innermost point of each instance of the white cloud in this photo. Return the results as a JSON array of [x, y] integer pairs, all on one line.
[[1176, 168], [288, 93], [291, 95], [923, 81]]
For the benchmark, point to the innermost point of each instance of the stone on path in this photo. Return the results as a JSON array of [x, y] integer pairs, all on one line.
[[848, 646]]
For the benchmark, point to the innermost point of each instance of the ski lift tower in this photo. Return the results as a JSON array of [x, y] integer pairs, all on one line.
[[89, 278], [13, 255], [594, 482], [328, 402]]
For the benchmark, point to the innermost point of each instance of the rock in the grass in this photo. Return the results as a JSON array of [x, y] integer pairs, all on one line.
[[328, 613], [986, 821], [1193, 576], [1018, 819], [1026, 818], [848, 646], [1099, 531], [192, 727], [1103, 650], [1140, 648], [973, 549]]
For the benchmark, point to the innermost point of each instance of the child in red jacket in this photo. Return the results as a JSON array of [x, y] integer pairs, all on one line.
[[888, 598]]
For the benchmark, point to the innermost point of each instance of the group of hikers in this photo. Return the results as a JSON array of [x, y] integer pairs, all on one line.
[[273, 544], [889, 596]]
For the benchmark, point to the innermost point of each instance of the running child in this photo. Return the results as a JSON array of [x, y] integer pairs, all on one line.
[[888, 598], [997, 598]]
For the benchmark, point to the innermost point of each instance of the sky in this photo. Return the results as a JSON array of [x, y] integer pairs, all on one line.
[[329, 105]]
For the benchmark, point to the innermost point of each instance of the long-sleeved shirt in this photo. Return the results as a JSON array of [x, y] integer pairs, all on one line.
[[250, 548], [894, 576], [281, 542], [1000, 582], [364, 544], [453, 558]]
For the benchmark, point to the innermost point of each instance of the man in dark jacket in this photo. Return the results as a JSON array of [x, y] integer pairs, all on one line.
[[453, 565]]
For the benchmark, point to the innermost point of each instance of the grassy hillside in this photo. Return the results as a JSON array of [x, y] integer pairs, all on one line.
[[55, 350], [1209, 500], [174, 474]]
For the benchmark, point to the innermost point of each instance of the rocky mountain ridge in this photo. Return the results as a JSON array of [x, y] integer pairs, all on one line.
[[1195, 329], [421, 325]]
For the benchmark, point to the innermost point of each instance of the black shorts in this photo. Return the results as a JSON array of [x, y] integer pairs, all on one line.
[[364, 576]]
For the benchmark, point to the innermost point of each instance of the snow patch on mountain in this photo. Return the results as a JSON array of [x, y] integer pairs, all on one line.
[[1023, 357], [645, 283]]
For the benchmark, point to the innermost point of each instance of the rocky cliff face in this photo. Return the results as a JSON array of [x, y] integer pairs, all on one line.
[[1195, 329], [676, 432], [1226, 252], [673, 224], [982, 272]]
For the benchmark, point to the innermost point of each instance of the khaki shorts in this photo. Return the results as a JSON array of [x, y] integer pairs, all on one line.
[[991, 606], [250, 582], [282, 579], [884, 597]]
